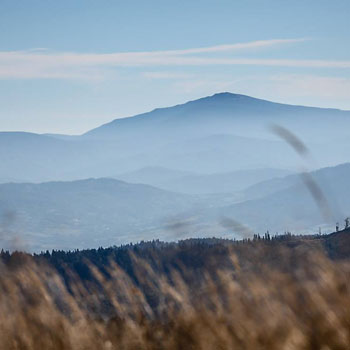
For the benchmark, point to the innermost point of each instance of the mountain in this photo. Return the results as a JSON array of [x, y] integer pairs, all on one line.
[[154, 176], [33, 157], [219, 113], [325, 177], [92, 212], [102, 212], [227, 132], [178, 181], [30, 156], [217, 134], [290, 203]]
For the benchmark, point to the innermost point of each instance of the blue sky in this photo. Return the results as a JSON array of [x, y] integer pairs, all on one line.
[[70, 65]]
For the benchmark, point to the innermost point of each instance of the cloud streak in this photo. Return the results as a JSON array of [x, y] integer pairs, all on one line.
[[166, 75], [236, 47], [51, 65]]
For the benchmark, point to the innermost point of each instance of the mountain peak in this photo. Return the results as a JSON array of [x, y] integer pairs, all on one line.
[[227, 97], [227, 94]]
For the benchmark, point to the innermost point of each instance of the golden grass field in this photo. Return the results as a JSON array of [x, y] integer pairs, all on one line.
[[300, 301]]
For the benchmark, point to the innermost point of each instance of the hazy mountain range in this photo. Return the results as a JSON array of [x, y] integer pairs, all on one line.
[[102, 212], [290, 203], [85, 213], [192, 183], [174, 172], [222, 133]]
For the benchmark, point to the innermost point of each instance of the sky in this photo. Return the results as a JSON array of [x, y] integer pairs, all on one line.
[[68, 66]]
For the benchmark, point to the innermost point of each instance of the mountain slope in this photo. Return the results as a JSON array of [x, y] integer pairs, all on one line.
[[102, 212], [287, 203], [183, 182], [85, 213], [154, 176]]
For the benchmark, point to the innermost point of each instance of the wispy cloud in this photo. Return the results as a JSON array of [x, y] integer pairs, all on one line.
[[236, 47], [43, 64], [311, 85], [166, 75]]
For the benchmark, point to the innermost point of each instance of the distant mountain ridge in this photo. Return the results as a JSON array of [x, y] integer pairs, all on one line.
[[217, 134], [223, 105], [95, 212], [84, 213], [287, 203], [192, 183]]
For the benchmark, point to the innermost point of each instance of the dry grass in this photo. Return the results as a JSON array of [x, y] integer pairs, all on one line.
[[301, 303]]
